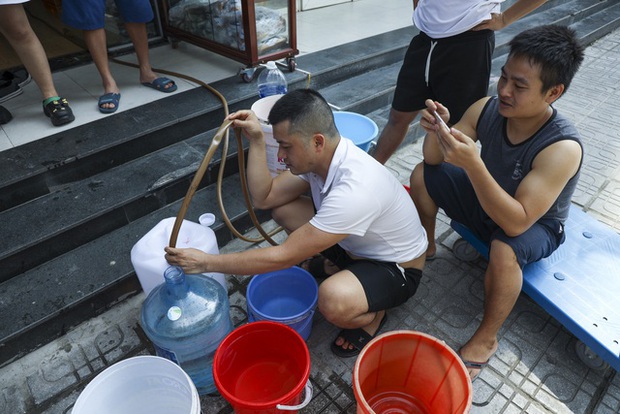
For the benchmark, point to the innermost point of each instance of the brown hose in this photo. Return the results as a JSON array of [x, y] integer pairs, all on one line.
[[221, 135]]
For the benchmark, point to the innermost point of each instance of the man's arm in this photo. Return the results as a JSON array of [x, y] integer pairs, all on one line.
[[551, 170], [266, 192], [300, 244], [515, 12]]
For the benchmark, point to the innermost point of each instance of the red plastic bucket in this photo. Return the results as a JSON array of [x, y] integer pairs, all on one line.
[[410, 372], [263, 367]]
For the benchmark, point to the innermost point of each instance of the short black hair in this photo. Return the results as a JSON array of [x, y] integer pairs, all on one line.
[[555, 48], [307, 111]]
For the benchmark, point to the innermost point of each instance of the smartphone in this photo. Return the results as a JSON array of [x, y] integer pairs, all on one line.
[[441, 121]]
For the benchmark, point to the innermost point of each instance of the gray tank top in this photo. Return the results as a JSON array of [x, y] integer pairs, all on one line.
[[509, 163]]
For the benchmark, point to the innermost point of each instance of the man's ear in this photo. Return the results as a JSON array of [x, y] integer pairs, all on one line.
[[554, 93], [318, 141]]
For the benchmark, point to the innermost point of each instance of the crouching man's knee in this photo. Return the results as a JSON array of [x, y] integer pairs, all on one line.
[[339, 304]]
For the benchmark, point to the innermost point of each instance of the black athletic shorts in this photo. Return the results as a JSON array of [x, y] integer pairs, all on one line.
[[384, 283], [451, 190], [453, 71]]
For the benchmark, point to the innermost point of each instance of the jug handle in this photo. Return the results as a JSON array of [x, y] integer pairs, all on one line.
[[306, 401], [217, 139]]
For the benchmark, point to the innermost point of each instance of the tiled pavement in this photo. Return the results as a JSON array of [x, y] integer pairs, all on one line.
[[535, 370]]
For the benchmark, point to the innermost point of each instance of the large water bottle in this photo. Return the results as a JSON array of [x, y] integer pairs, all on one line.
[[271, 81], [186, 318]]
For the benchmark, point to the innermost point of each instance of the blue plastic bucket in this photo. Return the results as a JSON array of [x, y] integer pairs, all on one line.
[[288, 296], [358, 128]]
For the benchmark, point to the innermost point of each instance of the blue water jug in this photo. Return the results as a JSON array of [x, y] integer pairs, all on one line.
[[186, 318], [271, 81]]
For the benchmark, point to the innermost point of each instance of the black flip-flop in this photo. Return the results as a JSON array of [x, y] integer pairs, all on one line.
[[5, 115], [475, 364], [315, 266], [358, 337]]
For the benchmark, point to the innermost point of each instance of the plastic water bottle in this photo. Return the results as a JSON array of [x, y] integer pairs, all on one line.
[[186, 318], [271, 81]]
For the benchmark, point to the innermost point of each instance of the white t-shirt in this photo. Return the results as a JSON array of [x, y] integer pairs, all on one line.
[[364, 199], [5, 2], [445, 18]]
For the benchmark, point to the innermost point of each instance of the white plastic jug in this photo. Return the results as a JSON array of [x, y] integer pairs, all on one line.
[[147, 255]]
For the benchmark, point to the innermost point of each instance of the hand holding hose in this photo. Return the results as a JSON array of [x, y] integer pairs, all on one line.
[[190, 260], [248, 122]]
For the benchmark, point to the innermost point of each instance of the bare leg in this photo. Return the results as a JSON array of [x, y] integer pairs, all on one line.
[[139, 38], [502, 286], [295, 214], [427, 209], [96, 43], [14, 25], [393, 134], [343, 302]]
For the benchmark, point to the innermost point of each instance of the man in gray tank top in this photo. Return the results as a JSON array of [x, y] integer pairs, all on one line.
[[514, 192]]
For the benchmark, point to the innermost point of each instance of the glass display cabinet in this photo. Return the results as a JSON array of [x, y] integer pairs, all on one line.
[[249, 31]]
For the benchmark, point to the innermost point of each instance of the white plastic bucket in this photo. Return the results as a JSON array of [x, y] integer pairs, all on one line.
[[140, 385], [148, 256], [261, 108]]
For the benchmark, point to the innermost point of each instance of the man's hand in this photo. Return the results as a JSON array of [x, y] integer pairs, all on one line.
[[428, 120], [495, 23], [190, 260], [457, 148], [249, 124]]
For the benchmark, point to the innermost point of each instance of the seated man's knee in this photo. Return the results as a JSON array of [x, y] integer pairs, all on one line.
[[502, 255], [416, 180]]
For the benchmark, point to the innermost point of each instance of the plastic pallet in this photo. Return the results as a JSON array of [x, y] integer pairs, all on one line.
[[579, 284]]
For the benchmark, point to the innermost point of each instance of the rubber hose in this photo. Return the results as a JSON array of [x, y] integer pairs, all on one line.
[[222, 134]]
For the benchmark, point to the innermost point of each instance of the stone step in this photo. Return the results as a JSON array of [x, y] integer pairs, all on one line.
[[81, 211], [43, 302]]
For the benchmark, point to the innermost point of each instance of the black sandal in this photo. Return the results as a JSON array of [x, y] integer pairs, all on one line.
[[358, 337], [58, 111], [5, 115], [315, 266]]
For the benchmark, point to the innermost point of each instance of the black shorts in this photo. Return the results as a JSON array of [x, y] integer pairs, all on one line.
[[451, 190], [458, 72], [385, 285]]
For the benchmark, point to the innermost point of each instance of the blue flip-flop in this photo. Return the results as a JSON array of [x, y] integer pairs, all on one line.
[[160, 84], [109, 98]]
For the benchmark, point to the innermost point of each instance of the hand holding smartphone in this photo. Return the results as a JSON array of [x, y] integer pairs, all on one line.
[[440, 120]]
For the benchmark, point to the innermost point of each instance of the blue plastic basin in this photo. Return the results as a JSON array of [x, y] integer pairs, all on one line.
[[358, 128]]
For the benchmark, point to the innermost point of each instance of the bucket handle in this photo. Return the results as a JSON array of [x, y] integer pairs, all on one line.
[[306, 401]]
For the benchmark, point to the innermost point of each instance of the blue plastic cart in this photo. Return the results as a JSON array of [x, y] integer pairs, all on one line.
[[579, 284]]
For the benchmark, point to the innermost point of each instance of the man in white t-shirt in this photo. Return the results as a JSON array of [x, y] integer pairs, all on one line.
[[359, 216], [449, 61]]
